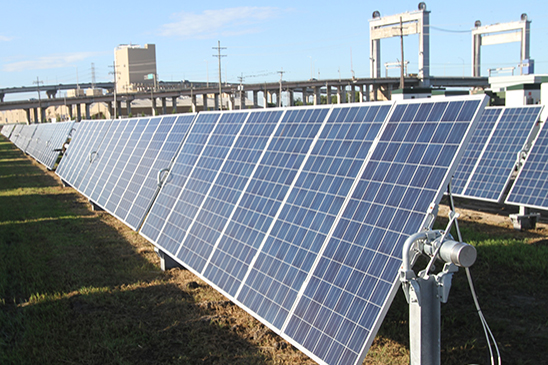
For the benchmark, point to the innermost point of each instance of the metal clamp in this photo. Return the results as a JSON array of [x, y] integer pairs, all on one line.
[[91, 156], [159, 176]]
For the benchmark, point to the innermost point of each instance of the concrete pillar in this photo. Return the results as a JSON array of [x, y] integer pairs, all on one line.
[[291, 97], [216, 97], [43, 115], [164, 106], [340, 96], [110, 109], [78, 112], [255, 95], [353, 93], [317, 99], [27, 111], [304, 93], [2, 97], [118, 108], [69, 108], [128, 107], [360, 91], [242, 99], [174, 105], [265, 99], [88, 114], [367, 92], [205, 102], [193, 103], [153, 106], [328, 93]]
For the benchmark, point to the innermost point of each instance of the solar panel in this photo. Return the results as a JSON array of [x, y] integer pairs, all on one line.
[[493, 169], [81, 150], [16, 133], [475, 148], [189, 153], [130, 200], [25, 136], [305, 228], [530, 188], [7, 130], [47, 141], [54, 145]]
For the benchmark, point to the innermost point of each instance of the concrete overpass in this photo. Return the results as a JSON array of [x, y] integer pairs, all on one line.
[[311, 91]]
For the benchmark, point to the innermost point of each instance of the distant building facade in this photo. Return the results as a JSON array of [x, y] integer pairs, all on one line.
[[135, 67]]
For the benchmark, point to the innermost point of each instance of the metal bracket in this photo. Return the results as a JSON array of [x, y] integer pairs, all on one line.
[[159, 177]]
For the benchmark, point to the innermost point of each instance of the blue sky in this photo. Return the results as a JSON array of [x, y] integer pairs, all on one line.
[[57, 41]]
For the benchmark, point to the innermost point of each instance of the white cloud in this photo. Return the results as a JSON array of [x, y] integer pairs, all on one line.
[[226, 22], [4, 38], [48, 62]]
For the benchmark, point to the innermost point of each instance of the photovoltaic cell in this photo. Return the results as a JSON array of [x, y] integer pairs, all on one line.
[[530, 188], [493, 170], [472, 153]]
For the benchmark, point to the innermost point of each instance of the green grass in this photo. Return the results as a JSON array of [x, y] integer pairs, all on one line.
[[78, 287]]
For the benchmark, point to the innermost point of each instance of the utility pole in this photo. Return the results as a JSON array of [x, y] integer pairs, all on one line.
[[218, 55], [402, 80], [38, 82], [115, 73], [280, 95]]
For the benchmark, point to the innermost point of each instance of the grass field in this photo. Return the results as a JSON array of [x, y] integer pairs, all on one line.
[[79, 287]]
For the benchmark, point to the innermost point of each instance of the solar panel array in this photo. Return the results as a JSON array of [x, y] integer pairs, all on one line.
[[298, 215], [490, 159], [115, 163], [7, 130], [44, 142], [530, 187]]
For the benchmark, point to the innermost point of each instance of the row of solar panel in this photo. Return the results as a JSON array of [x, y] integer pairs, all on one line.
[[494, 154], [44, 142], [297, 215]]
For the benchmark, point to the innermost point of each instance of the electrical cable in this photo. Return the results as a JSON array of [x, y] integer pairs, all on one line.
[[487, 331]]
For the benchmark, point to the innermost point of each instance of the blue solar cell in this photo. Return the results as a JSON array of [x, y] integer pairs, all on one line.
[[530, 188], [475, 147], [493, 170]]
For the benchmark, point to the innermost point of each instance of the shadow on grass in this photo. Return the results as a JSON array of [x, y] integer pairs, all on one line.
[[74, 289], [138, 324]]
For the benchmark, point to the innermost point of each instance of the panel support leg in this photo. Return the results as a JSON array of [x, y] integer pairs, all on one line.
[[524, 220], [166, 262]]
